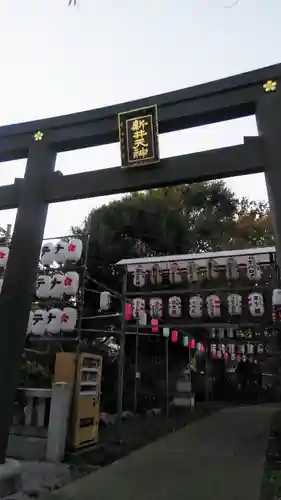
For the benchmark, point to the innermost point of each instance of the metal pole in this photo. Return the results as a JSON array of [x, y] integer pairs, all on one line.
[[136, 369], [121, 361], [167, 395]]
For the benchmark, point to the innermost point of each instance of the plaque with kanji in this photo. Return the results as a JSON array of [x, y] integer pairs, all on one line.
[[138, 134]]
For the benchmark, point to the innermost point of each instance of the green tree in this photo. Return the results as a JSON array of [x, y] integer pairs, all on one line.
[[190, 218], [184, 219]]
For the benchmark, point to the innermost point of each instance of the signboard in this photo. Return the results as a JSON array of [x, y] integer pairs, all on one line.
[[138, 135]]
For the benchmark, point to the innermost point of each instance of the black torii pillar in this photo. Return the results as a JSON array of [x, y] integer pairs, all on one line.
[[268, 116], [21, 270]]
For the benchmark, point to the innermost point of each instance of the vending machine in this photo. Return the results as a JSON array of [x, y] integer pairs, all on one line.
[[83, 373]]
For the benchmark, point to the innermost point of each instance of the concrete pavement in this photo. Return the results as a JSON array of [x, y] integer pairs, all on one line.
[[218, 457]]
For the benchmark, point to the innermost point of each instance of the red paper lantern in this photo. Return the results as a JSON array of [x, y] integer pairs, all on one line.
[[174, 336], [128, 312], [226, 356], [213, 355], [154, 323], [192, 344]]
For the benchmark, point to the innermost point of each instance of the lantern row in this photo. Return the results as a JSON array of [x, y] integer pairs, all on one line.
[[61, 252], [192, 272], [52, 321], [232, 350], [236, 333], [255, 305], [57, 284]]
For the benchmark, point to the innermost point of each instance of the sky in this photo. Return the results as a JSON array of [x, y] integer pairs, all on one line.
[[57, 60]]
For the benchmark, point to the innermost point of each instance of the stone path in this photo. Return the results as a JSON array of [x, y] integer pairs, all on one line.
[[220, 457]]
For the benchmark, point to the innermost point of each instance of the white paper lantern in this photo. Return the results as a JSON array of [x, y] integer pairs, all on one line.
[[142, 319], [213, 333], [221, 333], [231, 348], [71, 283], [256, 304], [250, 349], [174, 273], [231, 269], [61, 252], [4, 254], [47, 254], [213, 304], [1, 284], [74, 249], [43, 286], [139, 277], [253, 269], [166, 332], [234, 304], [276, 297], [156, 307], [30, 323], [39, 322], [196, 306], [68, 319], [54, 321], [138, 307], [57, 286], [192, 271], [175, 307], [213, 348], [212, 269], [105, 301], [233, 356], [156, 276]]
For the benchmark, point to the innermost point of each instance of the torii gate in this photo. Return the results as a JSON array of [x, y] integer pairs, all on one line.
[[256, 92]]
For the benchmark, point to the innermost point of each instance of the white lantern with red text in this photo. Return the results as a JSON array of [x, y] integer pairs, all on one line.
[[47, 255], [256, 304], [213, 304], [68, 319], [61, 252], [74, 249], [57, 286], [71, 283], [234, 304], [43, 285], [138, 307], [139, 277], [175, 307], [39, 322], [155, 307], [195, 306], [4, 254], [54, 321]]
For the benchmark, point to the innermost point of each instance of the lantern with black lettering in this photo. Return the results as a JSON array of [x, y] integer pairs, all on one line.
[[39, 322], [175, 307]]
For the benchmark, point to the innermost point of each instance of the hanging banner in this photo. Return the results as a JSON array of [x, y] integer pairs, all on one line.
[[138, 135]]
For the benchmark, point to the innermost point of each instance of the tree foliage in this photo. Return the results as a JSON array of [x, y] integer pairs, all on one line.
[[185, 219]]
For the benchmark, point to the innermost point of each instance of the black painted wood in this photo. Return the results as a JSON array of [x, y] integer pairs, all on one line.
[[20, 276]]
